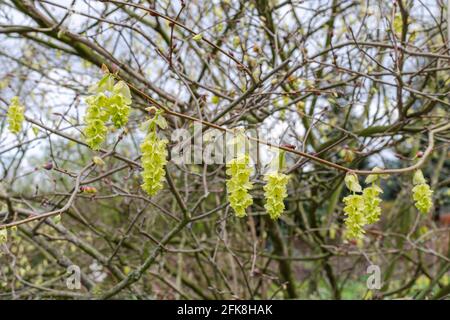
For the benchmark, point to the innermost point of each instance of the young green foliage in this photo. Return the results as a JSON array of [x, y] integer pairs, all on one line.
[[154, 156], [15, 115], [352, 183], [110, 102], [422, 193], [197, 37], [56, 219]]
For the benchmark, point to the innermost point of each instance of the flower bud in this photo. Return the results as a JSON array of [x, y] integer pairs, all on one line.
[[48, 166]]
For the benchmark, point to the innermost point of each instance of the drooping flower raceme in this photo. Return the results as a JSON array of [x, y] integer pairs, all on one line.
[[422, 193], [95, 119], [238, 185], [109, 102], [15, 115], [356, 220], [372, 210], [154, 157], [372, 201], [362, 209], [119, 104], [422, 197], [354, 208], [118, 110], [275, 192]]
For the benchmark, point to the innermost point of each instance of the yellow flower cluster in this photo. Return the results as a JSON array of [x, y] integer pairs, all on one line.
[[275, 192], [361, 209], [356, 220], [238, 185], [422, 193], [110, 101], [154, 156], [15, 115], [372, 202]]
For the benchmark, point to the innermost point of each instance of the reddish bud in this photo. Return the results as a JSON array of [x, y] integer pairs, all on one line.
[[92, 190], [48, 166], [114, 68], [419, 154], [87, 189], [289, 146]]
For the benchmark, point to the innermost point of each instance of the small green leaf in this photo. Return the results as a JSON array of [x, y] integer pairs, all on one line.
[[105, 84], [418, 178], [197, 37], [161, 122], [56, 219], [122, 88], [35, 130], [98, 161], [374, 177], [145, 125], [215, 99], [352, 183]]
